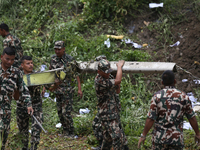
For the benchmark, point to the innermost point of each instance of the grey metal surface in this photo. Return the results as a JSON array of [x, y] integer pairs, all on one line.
[[39, 124], [132, 67]]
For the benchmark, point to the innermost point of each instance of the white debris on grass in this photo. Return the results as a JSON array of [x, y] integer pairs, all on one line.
[[84, 111], [46, 94], [196, 81], [175, 44], [186, 125], [58, 125], [185, 80], [43, 67], [154, 5], [128, 41], [107, 43]]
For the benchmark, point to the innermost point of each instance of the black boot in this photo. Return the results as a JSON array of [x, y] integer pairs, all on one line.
[[126, 147], [99, 147]]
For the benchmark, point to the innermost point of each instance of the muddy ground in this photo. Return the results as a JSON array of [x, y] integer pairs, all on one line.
[[184, 55]]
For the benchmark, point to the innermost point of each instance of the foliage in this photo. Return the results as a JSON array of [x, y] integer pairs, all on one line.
[[83, 25]]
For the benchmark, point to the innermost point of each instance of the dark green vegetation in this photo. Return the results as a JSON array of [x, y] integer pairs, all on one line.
[[83, 25]]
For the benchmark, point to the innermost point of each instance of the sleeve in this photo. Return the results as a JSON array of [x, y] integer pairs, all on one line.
[[152, 114], [188, 109], [5, 43], [25, 96]]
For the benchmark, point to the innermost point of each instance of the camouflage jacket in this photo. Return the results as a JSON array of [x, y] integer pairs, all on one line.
[[168, 107], [106, 94], [14, 42], [35, 94], [66, 87], [11, 80]]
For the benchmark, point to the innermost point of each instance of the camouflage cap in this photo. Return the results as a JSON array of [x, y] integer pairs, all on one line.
[[104, 66], [59, 44]]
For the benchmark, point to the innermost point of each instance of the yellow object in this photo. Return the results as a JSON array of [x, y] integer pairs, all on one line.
[[196, 63], [62, 75], [133, 98], [39, 78], [144, 45], [116, 37]]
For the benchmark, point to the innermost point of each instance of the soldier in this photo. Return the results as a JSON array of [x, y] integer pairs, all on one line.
[[168, 106], [108, 111], [11, 83], [96, 124], [23, 118], [11, 41], [64, 91]]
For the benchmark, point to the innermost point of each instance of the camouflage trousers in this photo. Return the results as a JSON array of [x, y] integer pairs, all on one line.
[[156, 146], [23, 124], [113, 135], [64, 108], [4, 128], [97, 128]]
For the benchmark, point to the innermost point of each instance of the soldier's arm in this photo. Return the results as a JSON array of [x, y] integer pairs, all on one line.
[[79, 87], [25, 96], [118, 78]]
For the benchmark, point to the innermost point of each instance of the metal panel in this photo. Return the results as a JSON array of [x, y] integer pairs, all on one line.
[[132, 67]]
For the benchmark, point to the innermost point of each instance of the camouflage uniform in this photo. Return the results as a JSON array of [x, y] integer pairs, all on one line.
[[108, 112], [96, 124], [23, 118], [64, 93], [14, 42], [11, 80], [168, 107]]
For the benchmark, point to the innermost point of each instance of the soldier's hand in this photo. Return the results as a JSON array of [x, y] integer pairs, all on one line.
[[30, 110], [120, 63], [80, 93], [197, 139], [141, 140], [43, 91]]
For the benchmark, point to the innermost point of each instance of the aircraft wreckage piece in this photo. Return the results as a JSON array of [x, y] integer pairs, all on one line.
[[132, 67], [48, 77]]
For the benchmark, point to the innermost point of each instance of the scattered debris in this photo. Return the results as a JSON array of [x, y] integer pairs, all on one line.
[[58, 125], [131, 42], [196, 81], [46, 94], [144, 45], [196, 63], [185, 80], [131, 29], [187, 126], [175, 44], [43, 67], [115, 37], [107, 43], [146, 23], [84, 111], [154, 5]]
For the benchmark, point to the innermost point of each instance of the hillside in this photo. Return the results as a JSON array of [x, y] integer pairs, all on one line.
[[83, 26]]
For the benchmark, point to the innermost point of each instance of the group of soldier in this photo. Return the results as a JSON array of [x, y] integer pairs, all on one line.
[[29, 100], [14, 64], [166, 110]]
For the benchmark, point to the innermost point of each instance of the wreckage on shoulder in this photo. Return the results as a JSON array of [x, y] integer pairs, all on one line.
[[73, 69]]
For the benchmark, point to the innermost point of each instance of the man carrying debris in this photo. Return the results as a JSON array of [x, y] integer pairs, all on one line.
[[106, 87], [64, 90], [168, 106], [96, 124], [12, 85], [23, 118], [11, 41]]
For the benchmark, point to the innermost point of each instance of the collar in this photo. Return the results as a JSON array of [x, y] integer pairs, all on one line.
[[169, 87], [63, 57], [7, 35], [9, 69]]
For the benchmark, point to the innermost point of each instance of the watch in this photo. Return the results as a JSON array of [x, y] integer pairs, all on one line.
[[142, 136]]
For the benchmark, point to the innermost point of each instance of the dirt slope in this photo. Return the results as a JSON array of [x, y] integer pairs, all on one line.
[[184, 55]]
